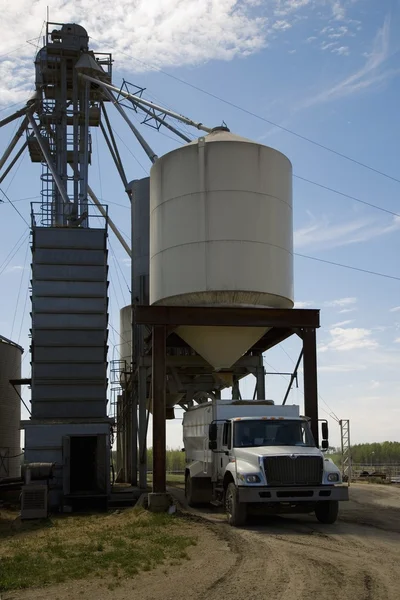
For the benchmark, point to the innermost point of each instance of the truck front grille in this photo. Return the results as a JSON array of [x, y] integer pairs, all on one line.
[[293, 470]]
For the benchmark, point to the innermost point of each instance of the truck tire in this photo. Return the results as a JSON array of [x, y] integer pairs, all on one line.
[[236, 511], [190, 492], [327, 512]]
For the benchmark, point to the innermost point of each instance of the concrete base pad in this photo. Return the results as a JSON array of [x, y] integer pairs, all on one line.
[[159, 502]]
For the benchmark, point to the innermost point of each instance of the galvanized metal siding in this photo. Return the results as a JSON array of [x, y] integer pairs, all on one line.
[[10, 410], [69, 323]]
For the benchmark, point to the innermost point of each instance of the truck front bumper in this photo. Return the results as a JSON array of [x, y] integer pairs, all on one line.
[[258, 494]]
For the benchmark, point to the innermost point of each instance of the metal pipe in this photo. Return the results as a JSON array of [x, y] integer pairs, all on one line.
[[114, 157], [150, 153], [115, 147], [14, 141], [111, 224], [20, 113], [140, 100], [14, 160], [56, 177], [293, 376], [160, 120]]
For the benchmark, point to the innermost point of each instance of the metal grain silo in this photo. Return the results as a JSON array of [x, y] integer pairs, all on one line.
[[221, 234], [10, 409]]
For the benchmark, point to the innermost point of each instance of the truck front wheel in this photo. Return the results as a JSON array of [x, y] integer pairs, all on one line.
[[236, 511], [327, 512]]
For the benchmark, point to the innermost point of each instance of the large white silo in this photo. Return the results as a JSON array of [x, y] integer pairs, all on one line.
[[10, 409], [221, 234]]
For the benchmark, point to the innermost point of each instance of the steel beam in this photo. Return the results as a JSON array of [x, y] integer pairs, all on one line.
[[310, 379], [230, 317], [260, 379], [159, 409], [21, 129]]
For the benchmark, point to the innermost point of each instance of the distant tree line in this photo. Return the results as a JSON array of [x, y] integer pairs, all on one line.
[[175, 460], [371, 454]]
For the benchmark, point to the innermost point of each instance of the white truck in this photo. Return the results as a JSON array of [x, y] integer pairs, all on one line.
[[256, 456]]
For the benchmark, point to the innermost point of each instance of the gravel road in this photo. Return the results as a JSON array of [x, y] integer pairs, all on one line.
[[285, 558]]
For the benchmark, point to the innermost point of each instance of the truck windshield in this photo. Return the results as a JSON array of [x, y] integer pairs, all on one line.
[[248, 434]]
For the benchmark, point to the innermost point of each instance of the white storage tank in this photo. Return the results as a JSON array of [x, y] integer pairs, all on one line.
[[10, 409], [221, 234]]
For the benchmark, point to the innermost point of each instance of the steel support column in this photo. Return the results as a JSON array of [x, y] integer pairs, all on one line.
[[159, 408], [142, 393], [260, 377], [310, 379], [134, 449]]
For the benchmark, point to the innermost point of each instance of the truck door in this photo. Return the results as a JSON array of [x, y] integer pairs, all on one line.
[[226, 445]]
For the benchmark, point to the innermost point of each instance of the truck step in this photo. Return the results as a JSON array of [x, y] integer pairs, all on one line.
[[216, 503]]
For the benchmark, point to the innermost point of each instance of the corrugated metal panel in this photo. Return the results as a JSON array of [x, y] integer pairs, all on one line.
[[74, 238], [59, 410], [73, 354], [69, 312], [68, 371], [81, 289], [67, 390], [70, 257], [10, 410], [68, 321], [61, 305], [68, 273], [64, 337]]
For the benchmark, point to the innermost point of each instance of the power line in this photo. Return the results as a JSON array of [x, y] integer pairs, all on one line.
[[325, 187], [7, 262], [11, 251], [14, 207], [19, 291], [255, 115], [330, 262]]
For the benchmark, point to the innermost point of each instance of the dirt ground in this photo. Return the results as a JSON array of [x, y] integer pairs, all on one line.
[[285, 558]]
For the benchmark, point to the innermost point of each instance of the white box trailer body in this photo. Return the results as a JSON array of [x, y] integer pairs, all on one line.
[[283, 476]]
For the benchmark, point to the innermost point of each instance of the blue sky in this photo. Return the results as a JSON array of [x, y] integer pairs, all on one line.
[[326, 69]]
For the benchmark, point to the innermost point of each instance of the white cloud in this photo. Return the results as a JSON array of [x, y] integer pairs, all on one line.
[[321, 233], [343, 323], [372, 73], [160, 32], [395, 309], [311, 39], [346, 310], [341, 368], [281, 25], [342, 51], [351, 338], [338, 11], [341, 302], [374, 384], [397, 340], [328, 45], [306, 304]]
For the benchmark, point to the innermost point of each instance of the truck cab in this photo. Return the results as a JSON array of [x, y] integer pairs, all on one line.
[[261, 457]]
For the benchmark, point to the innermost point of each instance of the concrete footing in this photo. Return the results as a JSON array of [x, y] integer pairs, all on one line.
[[158, 502]]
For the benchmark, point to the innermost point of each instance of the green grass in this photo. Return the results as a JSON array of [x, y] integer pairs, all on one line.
[[112, 547]]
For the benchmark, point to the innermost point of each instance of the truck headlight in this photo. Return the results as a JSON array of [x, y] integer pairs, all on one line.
[[252, 479], [333, 477]]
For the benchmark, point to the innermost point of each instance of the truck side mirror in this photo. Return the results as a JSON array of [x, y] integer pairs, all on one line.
[[324, 444], [212, 432], [325, 430], [212, 444]]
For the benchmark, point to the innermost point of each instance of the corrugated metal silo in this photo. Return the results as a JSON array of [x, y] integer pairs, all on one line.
[[10, 409]]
